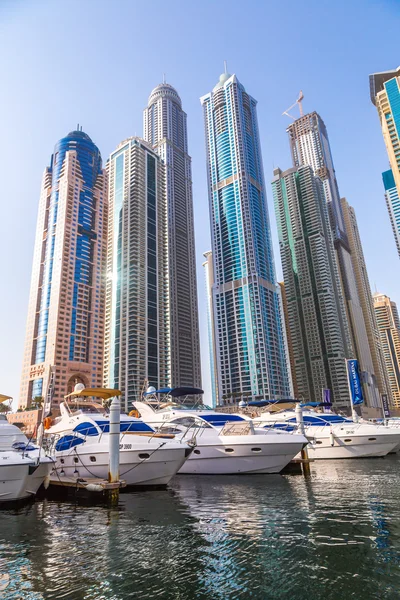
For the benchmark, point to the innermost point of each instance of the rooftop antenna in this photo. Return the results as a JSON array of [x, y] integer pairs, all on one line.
[[77, 127], [225, 68], [163, 78], [299, 102]]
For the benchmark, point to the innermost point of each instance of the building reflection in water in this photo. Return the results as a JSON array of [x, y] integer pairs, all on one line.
[[215, 538]]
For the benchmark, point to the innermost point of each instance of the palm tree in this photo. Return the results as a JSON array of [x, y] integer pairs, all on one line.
[[37, 402]]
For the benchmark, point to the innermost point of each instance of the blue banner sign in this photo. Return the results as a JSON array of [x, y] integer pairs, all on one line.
[[354, 382], [326, 399], [385, 406]]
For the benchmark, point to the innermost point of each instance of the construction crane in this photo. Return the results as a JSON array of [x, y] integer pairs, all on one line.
[[299, 102]]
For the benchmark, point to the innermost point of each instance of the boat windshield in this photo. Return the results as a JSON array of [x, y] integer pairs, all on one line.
[[192, 406], [86, 407], [181, 406]]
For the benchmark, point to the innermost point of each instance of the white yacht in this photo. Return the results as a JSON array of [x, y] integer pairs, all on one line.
[[333, 436], [23, 465], [79, 439], [225, 443]]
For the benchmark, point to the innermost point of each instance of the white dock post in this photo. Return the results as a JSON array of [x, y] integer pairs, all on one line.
[[114, 437], [304, 453]]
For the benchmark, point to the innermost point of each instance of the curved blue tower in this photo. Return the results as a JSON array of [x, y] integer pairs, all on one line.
[[65, 328]]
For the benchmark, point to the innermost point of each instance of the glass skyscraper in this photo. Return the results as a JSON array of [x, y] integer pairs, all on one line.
[[315, 308], [309, 143], [137, 348], [165, 128], [65, 325], [385, 95], [209, 277], [392, 198], [250, 350]]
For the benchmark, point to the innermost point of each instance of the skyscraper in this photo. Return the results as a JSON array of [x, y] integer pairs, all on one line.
[[316, 313], [65, 326], [379, 383], [250, 351], [209, 277], [289, 344], [385, 95], [388, 322], [165, 129], [137, 352], [309, 145], [392, 198]]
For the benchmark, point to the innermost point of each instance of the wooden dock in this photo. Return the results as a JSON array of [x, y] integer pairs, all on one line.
[[88, 484]]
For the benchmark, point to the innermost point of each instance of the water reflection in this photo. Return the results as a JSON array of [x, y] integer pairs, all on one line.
[[336, 535]]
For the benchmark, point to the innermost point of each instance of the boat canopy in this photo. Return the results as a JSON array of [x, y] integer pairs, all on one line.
[[177, 392], [103, 393], [4, 398], [315, 404], [267, 402], [165, 390]]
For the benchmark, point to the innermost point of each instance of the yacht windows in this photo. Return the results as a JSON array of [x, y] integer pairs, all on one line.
[[144, 455], [371, 439], [229, 450], [347, 440], [196, 451], [256, 449], [92, 459], [67, 442]]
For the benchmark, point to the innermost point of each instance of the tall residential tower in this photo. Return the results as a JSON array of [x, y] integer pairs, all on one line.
[[315, 308], [250, 350], [165, 129], [367, 304], [309, 143], [209, 277], [385, 95], [137, 350], [65, 326], [392, 198], [387, 318]]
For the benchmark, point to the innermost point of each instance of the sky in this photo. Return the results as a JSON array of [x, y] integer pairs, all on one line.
[[95, 62]]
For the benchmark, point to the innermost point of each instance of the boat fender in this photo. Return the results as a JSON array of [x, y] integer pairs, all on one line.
[[46, 482], [332, 438], [94, 487]]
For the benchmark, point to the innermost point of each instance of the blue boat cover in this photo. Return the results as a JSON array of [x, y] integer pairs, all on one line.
[[219, 419], [86, 429], [125, 426]]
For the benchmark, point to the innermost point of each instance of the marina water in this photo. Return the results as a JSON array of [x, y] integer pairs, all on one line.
[[333, 536]]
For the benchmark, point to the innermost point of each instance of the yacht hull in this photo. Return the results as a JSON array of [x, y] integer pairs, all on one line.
[[232, 455], [363, 446], [22, 479], [146, 465]]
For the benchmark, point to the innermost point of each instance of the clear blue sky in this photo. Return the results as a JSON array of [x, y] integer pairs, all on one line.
[[95, 62]]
